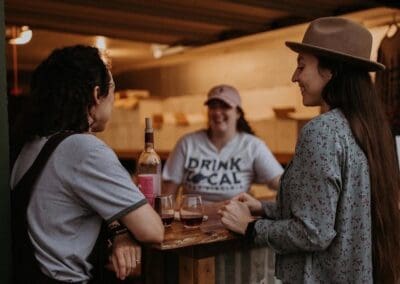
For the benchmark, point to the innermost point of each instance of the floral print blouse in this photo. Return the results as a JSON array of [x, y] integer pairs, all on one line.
[[320, 226]]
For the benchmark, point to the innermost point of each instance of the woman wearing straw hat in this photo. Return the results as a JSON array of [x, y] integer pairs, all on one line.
[[337, 217]]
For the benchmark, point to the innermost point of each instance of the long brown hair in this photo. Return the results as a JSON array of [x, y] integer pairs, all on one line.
[[242, 124], [352, 91]]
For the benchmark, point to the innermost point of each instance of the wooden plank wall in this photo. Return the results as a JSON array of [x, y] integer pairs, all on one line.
[[125, 129]]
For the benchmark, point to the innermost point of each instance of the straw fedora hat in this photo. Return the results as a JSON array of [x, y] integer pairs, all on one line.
[[338, 38]]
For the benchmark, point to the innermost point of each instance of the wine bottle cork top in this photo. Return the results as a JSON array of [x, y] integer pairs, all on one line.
[[149, 124]]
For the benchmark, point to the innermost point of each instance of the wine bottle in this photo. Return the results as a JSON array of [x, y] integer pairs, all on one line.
[[149, 166]]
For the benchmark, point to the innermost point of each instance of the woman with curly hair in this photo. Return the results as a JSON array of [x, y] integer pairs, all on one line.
[[82, 183]]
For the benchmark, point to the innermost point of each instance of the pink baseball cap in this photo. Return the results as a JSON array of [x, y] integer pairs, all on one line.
[[225, 93]]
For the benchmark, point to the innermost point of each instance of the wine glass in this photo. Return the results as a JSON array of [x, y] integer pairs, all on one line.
[[164, 206], [191, 211]]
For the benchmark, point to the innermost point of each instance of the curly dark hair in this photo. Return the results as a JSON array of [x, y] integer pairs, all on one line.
[[62, 93], [62, 89]]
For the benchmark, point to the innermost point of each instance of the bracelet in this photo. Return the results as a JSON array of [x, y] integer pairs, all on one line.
[[116, 230]]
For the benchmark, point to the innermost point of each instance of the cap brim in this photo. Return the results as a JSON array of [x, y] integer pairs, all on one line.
[[219, 99], [369, 65]]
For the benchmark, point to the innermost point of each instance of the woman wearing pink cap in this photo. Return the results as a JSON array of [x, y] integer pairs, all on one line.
[[336, 219], [221, 162]]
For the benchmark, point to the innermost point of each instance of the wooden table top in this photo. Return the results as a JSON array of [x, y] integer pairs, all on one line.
[[210, 231]]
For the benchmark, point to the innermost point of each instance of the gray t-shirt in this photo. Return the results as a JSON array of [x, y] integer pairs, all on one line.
[[82, 183], [320, 226], [197, 165]]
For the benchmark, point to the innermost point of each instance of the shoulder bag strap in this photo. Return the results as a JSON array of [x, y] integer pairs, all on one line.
[[34, 171], [25, 265]]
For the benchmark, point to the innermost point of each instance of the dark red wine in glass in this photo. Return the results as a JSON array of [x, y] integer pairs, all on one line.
[[167, 219], [192, 221]]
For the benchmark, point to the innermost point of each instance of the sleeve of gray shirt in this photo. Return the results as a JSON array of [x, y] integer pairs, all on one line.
[[102, 183], [266, 167], [313, 183]]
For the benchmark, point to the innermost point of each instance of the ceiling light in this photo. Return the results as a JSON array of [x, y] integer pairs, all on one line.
[[161, 50], [157, 49], [101, 42], [19, 35]]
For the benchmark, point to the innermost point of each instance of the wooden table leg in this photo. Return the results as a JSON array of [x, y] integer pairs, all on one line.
[[152, 266], [196, 271]]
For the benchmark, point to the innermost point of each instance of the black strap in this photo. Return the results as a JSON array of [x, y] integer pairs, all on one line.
[[34, 171], [25, 266]]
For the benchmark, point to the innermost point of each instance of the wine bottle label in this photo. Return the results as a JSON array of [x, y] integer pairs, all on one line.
[[147, 183]]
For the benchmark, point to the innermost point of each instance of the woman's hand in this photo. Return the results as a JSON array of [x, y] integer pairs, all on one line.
[[235, 216], [125, 256], [252, 203]]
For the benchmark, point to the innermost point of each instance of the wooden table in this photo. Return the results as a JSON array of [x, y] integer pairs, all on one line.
[[196, 248]]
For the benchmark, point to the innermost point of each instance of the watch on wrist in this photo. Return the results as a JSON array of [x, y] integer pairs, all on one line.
[[115, 230]]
